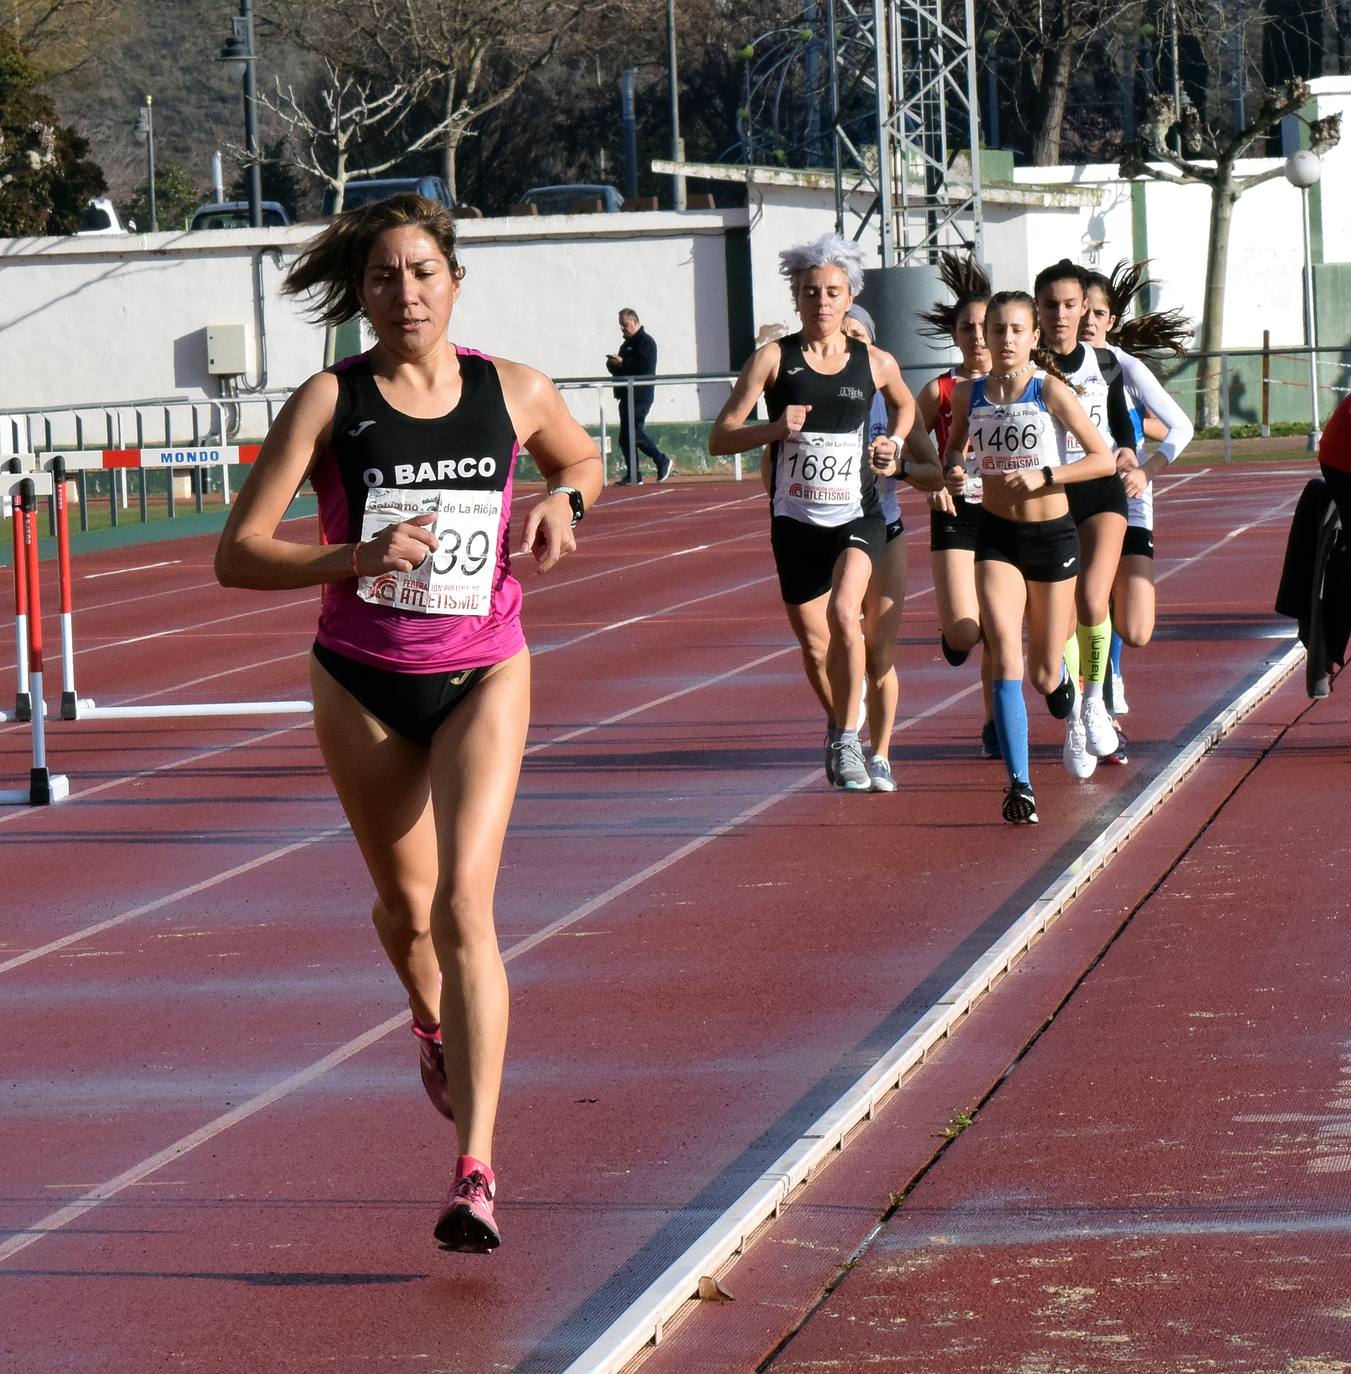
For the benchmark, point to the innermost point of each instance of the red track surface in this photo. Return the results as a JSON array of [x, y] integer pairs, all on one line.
[[705, 946]]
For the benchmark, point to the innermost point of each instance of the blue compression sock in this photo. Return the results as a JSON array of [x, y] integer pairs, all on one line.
[[1116, 653], [1010, 723]]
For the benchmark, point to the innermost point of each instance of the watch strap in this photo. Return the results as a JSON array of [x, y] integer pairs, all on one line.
[[574, 500]]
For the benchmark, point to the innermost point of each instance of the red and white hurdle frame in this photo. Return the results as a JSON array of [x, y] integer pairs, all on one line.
[[21, 495], [57, 466]]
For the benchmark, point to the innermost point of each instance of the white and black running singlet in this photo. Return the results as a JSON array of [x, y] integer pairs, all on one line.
[[821, 475], [1096, 374]]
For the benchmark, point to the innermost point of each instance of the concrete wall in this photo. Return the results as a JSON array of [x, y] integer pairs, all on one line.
[[97, 318]]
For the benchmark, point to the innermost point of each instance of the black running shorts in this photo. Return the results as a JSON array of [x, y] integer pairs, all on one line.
[[1101, 496], [413, 704], [1043, 550], [805, 555], [954, 531], [894, 530], [1139, 542]]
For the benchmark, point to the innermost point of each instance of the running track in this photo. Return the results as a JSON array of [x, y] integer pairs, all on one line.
[[217, 1151]]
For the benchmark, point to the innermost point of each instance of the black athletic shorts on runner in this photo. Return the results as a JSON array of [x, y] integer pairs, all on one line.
[[1043, 550], [805, 555], [954, 531], [895, 529], [414, 705], [1101, 496], [1139, 542]]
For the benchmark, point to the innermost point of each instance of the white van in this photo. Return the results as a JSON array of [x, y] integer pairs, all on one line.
[[100, 217]]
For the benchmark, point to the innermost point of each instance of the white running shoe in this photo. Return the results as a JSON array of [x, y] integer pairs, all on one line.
[[879, 770], [1099, 733], [1119, 695], [847, 766], [1079, 762]]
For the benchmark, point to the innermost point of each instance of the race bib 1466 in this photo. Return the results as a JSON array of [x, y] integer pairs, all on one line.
[[457, 577]]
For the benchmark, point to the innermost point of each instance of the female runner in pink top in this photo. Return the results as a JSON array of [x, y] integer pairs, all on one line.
[[421, 677]]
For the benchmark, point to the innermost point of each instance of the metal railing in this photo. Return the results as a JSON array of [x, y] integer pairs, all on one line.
[[1257, 387]]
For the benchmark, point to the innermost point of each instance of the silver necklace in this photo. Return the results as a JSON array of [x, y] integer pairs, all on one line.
[[1013, 376]]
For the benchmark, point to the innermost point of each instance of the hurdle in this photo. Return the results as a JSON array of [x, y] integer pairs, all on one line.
[[23, 699], [56, 467], [21, 493]]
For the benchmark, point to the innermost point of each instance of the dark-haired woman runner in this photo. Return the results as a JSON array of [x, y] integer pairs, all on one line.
[[952, 519], [1154, 413], [1099, 511], [1018, 420], [420, 674]]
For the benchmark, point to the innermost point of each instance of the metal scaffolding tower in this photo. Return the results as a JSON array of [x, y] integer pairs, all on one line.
[[917, 59]]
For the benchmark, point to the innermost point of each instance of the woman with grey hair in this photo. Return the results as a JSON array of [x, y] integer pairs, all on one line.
[[821, 466]]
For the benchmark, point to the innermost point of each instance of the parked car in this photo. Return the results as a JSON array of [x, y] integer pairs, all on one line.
[[364, 192], [100, 217], [234, 214], [557, 200]]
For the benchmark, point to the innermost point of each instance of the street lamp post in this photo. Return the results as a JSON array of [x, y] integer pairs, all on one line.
[[239, 53], [144, 129], [1303, 169], [677, 146]]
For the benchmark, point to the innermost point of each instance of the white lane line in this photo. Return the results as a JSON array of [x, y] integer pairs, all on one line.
[[167, 900], [1279, 513], [644, 1322], [650, 615], [140, 567], [56, 1221], [659, 701]]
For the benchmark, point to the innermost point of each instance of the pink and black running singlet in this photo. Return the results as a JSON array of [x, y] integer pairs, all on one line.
[[462, 608]]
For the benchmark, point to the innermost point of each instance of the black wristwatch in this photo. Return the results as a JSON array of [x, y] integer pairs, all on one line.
[[903, 472], [574, 500], [1047, 477]]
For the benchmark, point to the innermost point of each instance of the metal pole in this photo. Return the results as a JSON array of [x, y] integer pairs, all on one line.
[[1310, 328], [150, 162], [832, 58], [251, 119], [1224, 408], [677, 148], [882, 77], [630, 125]]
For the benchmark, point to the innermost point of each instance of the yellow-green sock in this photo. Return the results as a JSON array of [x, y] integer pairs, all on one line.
[[1094, 644], [1072, 660]]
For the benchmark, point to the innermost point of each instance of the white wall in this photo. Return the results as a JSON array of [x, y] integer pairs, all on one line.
[[102, 318]]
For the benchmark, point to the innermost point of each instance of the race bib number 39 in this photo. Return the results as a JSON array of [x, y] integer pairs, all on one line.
[[457, 577]]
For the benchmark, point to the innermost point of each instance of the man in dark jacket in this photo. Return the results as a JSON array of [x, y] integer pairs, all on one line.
[[637, 357]]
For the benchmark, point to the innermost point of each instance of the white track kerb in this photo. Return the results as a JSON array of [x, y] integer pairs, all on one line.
[[643, 1323]]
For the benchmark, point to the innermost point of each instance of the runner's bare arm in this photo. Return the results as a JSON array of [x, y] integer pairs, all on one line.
[[730, 432], [954, 459], [564, 452], [251, 555], [926, 414]]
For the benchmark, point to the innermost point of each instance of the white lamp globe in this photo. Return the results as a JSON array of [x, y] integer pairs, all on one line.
[[1303, 169]]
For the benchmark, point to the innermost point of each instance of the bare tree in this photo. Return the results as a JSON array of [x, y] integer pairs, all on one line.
[[1205, 157], [478, 52], [325, 132], [61, 35]]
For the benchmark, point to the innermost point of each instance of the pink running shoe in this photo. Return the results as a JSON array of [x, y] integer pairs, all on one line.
[[466, 1222], [432, 1062]]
